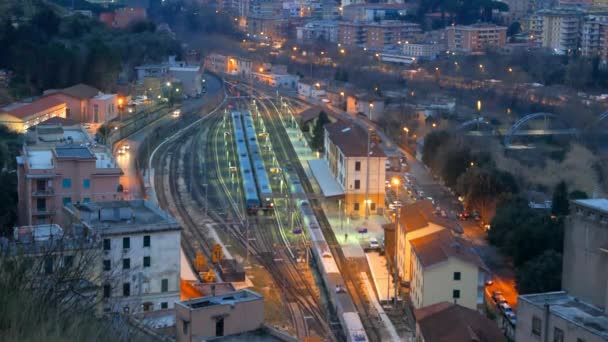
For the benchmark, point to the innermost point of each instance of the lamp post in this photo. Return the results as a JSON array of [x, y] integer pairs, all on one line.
[[369, 134]]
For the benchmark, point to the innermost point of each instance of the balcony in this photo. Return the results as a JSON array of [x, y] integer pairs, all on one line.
[[43, 193], [43, 211]]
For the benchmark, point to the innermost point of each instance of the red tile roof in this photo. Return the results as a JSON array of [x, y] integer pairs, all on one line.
[[418, 215], [352, 140], [24, 110], [447, 322], [440, 246]]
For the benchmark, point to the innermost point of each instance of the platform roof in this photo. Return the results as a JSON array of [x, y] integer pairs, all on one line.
[[329, 185]]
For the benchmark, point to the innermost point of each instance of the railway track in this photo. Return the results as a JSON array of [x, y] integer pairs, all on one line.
[[288, 156]]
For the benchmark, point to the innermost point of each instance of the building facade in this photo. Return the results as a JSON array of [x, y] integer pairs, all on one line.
[[476, 37], [445, 268], [219, 315], [20, 116], [561, 29], [594, 38], [60, 169], [86, 104], [377, 36], [358, 165], [322, 30], [370, 106], [141, 253]]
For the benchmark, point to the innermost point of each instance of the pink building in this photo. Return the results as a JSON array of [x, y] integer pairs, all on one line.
[[86, 104], [62, 166]]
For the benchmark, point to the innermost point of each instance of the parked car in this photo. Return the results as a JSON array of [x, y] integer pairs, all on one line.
[[506, 308], [373, 244], [511, 317]]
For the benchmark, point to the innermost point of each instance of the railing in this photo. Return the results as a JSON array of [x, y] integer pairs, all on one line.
[[43, 193]]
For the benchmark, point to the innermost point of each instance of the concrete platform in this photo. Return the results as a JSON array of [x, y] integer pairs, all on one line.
[[382, 281]]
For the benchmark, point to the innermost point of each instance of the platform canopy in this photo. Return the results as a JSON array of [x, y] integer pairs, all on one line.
[[329, 185]]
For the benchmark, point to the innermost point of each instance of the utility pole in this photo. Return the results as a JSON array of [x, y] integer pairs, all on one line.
[[367, 175], [397, 225]]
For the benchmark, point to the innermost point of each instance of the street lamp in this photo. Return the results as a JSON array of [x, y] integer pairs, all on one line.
[[397, 208]]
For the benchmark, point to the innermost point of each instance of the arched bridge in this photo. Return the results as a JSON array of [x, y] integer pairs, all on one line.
[[551, 124]]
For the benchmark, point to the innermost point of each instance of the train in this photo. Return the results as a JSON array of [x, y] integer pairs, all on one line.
[[260, 174], [252, 200], [338, 295]]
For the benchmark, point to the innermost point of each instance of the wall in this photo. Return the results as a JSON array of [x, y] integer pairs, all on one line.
[[242, 317], [404, 258], [146, 282], [76, 108], [107, 109], [438, 283], [377, 176]]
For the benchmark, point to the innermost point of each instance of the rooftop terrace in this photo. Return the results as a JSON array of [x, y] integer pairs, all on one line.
[[229, 298]]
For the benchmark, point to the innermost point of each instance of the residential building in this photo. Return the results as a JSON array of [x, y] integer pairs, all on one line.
[[318, 30], [190, 77], [374, 12], [447, 321], [586, 251], [20, 116], [276, 77], [61, 165], [141, 253], [599, 3], [561, 29], [445, 268], [578, 313], [377, 36], [359, 166], [417, 220], [571, 3], [594, 39], [219, 315], [476, 37], [311, 88], [230, 65], [559, 317], [371, 106], [267, 28], [86, 104]]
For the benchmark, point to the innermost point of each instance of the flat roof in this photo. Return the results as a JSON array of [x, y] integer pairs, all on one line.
[[571, 309], [71, 151], [40, 159], [600, 204], [185, 68], [229, 298], [104, 160], [123, 217], [329, 185]]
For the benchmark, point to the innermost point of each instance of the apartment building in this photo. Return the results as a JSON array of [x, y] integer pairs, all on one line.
[[359, 166], [373, 12], [417, 220], [371, 106], [445, 268], [318, 30], [377, 36], [561, 29], [20, 116], [190, 77], [219, 315], [594, 39], [60, 165], [476, 37], [578, 313], [141, 253], [447, 321]]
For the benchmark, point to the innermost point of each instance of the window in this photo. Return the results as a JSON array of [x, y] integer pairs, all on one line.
[[126, 264], [164, 285], [107, 265], [372, 206], [107, 291], [107, 244], [536, 323], [357, 166], [146, 240], [455, 294], [86, 183], [146, 261], [164, 305], [456, 275], [558, 335], [86, 200], [356, 207], [357, 184], [126, 289], [48, 265], [41, 204], [67, 200], [126, 243], [185, 327], [66, 183], [68, 261]]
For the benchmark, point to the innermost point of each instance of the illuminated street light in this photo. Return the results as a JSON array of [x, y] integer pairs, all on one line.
[[168, 84], [434, 125], [436, 68], [177, 90], [295, 48], [395, 181], [472, 164], [261, 69], [406, 130], [510, 69], [479, 105], [342, 51], [480, 66], [342, 93]]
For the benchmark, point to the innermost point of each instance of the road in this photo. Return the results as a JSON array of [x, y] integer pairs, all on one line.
[[127, 162]]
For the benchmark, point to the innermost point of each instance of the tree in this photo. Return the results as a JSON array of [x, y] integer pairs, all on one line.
[[318, 132], [482, 188], [541, 274], [514, 29], [432, 142], [560, 205], [455, 162], [577, 194]]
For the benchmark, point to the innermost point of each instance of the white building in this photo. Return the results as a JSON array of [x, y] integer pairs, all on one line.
[[311, 88], [561, 29], [141, 253], [358, 167], [423, 50], [190, 76], [594, 39], [324, 30]]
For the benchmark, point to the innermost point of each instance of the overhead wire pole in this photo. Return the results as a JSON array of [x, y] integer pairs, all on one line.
[[366, 202]]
